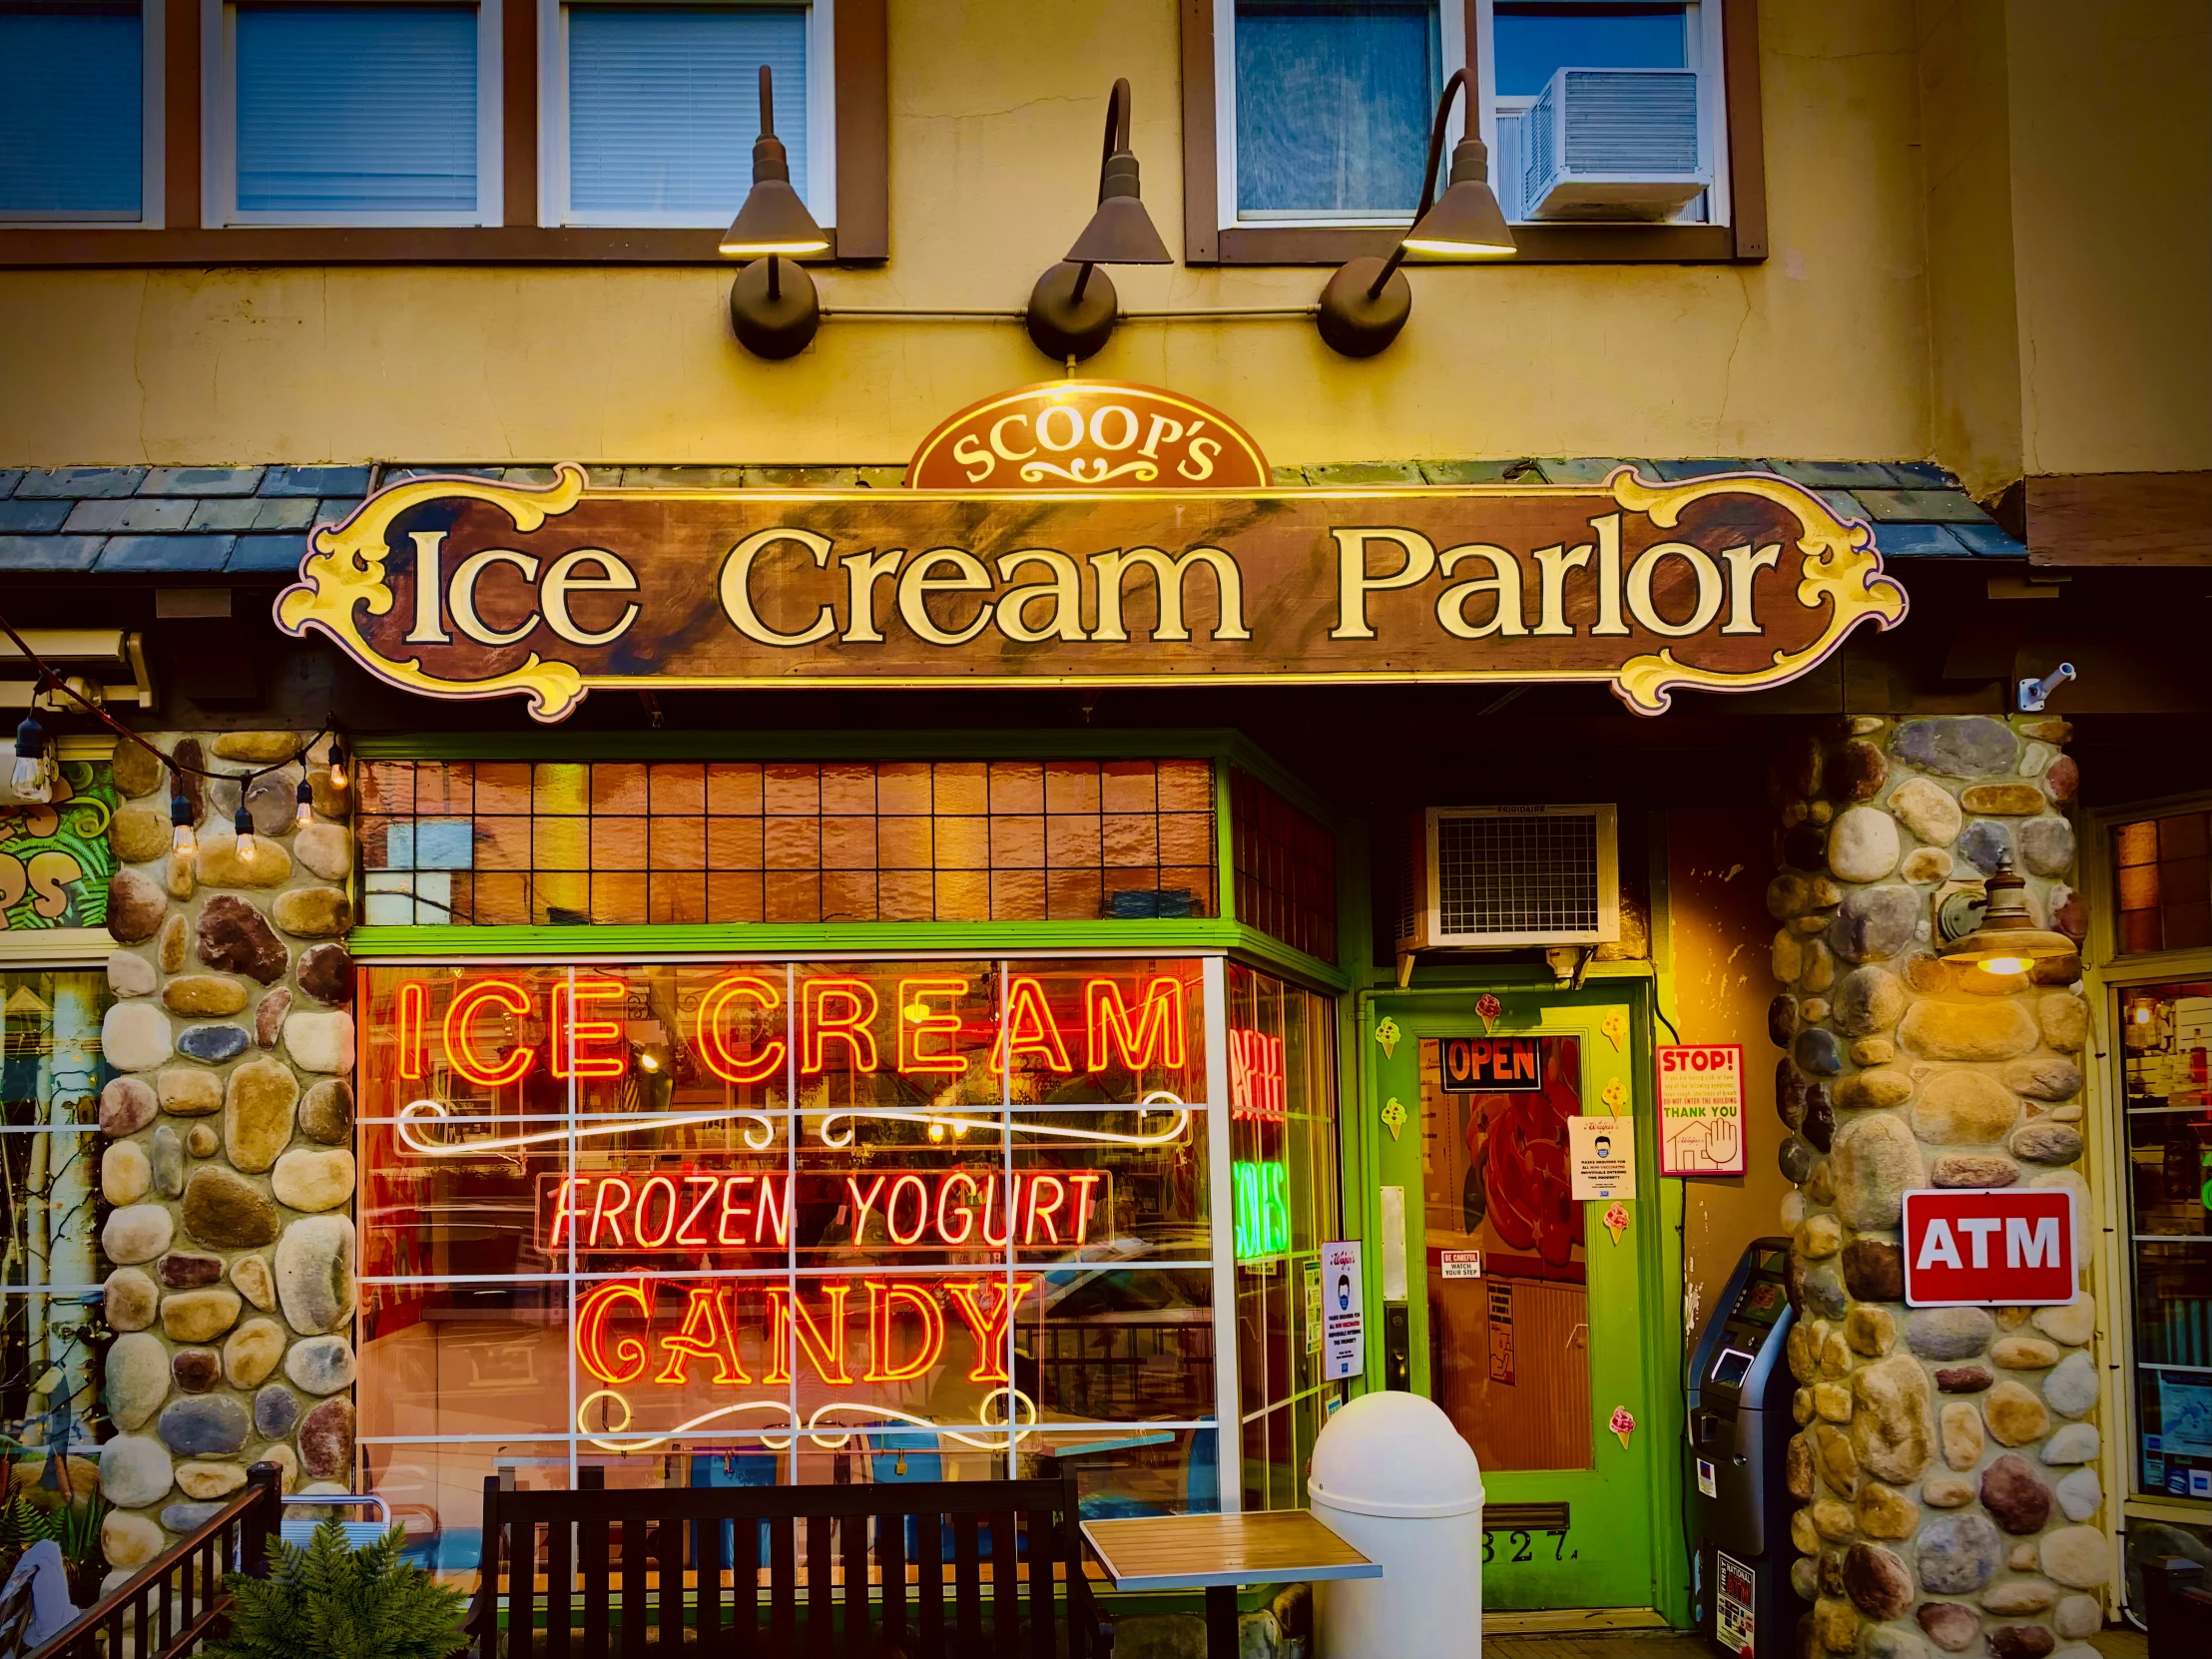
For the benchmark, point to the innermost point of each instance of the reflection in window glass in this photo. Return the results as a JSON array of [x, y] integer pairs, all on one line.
[[654, 1213], [1532, 39], [2166, 1042], [1283, 1140]]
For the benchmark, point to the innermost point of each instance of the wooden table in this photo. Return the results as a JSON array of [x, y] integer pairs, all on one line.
[[1217, 1553]]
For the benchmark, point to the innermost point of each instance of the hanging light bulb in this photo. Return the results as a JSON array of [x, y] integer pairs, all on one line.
[[30, 782], [242, 822], [182, 842], [305, 814], [337, 764]]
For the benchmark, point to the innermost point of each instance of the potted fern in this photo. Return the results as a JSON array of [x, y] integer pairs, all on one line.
[[329, 1601]]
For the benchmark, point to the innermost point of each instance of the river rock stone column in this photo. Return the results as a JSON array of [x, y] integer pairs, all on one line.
[[227, 1174], [1946, 1459]]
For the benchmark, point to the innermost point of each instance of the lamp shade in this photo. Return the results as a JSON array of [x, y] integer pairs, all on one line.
[[2007, 941], [773, 220], [1467, 222], [1121, 231]]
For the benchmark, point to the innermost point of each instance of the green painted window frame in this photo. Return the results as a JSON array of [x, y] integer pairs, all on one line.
[[1223, 933]]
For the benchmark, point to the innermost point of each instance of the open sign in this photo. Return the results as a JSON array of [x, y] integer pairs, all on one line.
[[1491, 1065]]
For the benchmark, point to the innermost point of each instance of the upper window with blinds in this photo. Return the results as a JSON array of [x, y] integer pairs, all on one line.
[[75, 94], [339, 112], [650, 111], [1331, 103]]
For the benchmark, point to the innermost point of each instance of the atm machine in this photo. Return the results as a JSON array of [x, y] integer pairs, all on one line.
[[1740, 1425]]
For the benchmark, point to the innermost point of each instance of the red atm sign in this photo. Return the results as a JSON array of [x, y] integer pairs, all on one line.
[[1982, 1249]]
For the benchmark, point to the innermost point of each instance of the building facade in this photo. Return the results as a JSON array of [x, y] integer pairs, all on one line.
[[872, 911]]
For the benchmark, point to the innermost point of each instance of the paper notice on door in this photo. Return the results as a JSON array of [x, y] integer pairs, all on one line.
[[1601, 1158], [1344, 1320], [1311, 1288], [1462, 1263]]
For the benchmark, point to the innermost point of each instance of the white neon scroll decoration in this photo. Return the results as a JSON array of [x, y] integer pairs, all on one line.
[[1020, 1422], [760, 1133]]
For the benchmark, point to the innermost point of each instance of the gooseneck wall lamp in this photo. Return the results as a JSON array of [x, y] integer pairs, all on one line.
[[1073, 307], [1367, 302], [773, 308]]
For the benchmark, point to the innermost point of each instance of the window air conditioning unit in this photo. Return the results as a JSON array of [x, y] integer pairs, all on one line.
[[1499, 877], [1612, 143]]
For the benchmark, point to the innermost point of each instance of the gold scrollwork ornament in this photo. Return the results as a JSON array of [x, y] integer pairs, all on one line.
[[345, 570], [1840, 566]]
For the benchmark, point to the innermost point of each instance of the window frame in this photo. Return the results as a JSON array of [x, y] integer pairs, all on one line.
[[152, 89], [187, 234], [1212, 237], [219, 150], [554, 133]]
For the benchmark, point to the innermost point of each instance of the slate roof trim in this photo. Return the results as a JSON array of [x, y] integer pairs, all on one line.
[[254, 520]]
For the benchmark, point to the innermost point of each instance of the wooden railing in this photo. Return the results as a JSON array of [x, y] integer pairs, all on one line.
[[179, 1600]]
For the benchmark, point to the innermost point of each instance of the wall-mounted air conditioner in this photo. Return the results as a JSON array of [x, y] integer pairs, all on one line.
[[1501, 877], [1613, 144]]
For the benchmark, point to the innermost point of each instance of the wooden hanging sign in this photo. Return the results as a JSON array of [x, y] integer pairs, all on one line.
[[470, 588]]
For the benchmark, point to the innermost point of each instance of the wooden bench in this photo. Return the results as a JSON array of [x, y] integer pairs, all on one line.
[[882, 1570]]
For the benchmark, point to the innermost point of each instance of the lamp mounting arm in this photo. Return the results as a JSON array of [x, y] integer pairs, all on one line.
[[1457, 83], [1117, 133]]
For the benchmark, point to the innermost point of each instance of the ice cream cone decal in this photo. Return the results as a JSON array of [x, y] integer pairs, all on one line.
[[1394, 1116], [1615, 1095], [1623, 1424], [1616, 1223], [1488, 1006], [1388, 1034], [1615, 1026]]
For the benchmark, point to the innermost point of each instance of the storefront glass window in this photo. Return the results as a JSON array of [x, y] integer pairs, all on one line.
[[2166, 1039], [2164, 879], [1283, 1140], [51, 1073], [1286, 869], [643, 1218], [511, 843]]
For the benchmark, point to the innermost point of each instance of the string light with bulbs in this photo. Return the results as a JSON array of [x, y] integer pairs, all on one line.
[[36, 770]]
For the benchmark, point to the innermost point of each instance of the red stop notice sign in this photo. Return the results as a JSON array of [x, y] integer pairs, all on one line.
[[2012, 1247]]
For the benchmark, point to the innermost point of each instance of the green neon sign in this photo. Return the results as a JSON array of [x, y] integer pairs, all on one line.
[[1261, 1210]]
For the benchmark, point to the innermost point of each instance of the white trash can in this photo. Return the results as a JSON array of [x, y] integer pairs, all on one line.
[[1393, 1480]]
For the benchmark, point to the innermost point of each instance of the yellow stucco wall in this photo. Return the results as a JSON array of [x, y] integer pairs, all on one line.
[[1986, 223], [1820, 351], [2111, 138], [1973, 312]]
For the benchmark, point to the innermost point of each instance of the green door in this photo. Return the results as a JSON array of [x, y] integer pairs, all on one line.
[[1537, 1322]]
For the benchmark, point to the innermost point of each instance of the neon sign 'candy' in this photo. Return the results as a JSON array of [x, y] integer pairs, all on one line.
[[621, 1339]]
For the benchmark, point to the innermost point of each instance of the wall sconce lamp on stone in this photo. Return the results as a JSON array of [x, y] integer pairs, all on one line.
[[1367, 302], [1073, 307], [773, 308], [2004, 939]]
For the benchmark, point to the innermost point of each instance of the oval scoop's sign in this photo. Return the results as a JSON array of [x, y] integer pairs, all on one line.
[[469, 588], [1088, 434], [1966, 1248]]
